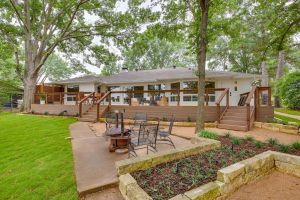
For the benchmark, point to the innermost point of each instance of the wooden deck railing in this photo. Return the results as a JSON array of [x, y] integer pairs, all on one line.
[[218, 102], [107, 94], [59, 96], [91, 95], [192, 91]]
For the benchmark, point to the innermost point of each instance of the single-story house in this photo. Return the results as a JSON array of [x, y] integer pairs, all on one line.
[[161, 88]]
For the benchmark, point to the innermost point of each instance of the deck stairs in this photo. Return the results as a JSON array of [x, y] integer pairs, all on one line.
[[234, 118], [91, 114]]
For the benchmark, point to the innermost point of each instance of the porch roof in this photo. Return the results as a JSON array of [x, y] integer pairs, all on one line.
[[157, 75]]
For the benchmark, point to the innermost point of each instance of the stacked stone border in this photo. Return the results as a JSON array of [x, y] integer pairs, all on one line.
[[139, 163], [290, 129], [229, 179]]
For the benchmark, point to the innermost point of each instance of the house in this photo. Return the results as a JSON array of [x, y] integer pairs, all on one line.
[[159, 92]]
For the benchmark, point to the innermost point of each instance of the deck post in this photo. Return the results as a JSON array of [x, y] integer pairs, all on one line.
[[98, 110], [218, 113], [60, 98], [269, 96], [248, 116], [227, 98], [46, 98], [206, 97], [109, 98], [178, 97]]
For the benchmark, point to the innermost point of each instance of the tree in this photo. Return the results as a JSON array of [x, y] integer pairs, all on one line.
[[157, 53], [201, 58], [43, 27], [288, 90]]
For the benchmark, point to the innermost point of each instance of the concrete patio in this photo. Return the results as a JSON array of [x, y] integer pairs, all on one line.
[[95, 165]]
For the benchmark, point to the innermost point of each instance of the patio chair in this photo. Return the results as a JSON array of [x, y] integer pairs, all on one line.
[[111, 122], [146, 138], [139, 118], [164, 135]]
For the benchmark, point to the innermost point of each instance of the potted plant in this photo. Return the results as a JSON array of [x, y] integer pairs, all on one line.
[[42, 98]]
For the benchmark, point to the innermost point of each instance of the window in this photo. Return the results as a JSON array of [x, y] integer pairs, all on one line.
[[73, 88], [174, 95], [190, 85], [235, 86]]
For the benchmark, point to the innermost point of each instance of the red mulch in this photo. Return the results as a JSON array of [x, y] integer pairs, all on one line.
[[170, 179]]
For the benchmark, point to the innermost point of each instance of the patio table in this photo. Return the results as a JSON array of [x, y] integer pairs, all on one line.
[[118, 135]]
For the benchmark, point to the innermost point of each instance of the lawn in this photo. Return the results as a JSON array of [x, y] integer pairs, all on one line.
[[36, 158], [287, 119], [288, 111]]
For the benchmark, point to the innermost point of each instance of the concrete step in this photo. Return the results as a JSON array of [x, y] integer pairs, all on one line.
[[234, 118], [234, 122], [232, 127], [236, 114], [87, 119]]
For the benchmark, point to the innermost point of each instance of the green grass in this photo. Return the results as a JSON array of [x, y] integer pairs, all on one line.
[[35, 160], [288, 111], [208, 134], [287, 119]]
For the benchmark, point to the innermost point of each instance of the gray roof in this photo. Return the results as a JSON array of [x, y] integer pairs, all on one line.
[[168, 74], [81, 79], [144, 76]]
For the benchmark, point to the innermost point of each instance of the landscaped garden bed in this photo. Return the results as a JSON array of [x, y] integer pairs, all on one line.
[[179, 176]]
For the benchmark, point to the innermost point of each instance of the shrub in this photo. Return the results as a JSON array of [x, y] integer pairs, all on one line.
[[208, 134], [236, 141], [288, 90], [272, 141], [164, 119], [46, 113], [258, 144], [62, 113], [284, 148], [32, 112], [228, 134], [250, 138], [296, 145], [77, 115]]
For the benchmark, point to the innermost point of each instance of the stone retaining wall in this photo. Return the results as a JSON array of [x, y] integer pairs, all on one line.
[[290, 129], [229, 179], [139, 163]]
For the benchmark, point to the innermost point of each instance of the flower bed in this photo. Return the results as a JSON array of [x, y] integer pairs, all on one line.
[[179, 176]]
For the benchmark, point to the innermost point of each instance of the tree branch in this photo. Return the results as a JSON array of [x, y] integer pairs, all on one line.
[[21, 21]]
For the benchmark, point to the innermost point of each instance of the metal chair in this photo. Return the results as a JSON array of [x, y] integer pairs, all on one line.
[[139, 118], [111, 122], [146, 138], [164, 135]]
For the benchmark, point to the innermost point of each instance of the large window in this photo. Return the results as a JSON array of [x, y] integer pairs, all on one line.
[[211, 94], [174, 95], [190, 96], [73, 88], [115, 97]]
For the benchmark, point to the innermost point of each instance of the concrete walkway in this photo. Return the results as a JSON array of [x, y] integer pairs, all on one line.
[[94, 168], [95, 171], [257, 133], [288, 115]]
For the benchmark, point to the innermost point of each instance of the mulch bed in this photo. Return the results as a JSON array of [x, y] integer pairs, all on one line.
[[170, 179]]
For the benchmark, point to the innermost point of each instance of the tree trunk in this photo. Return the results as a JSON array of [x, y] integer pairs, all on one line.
[[201, 59], [279, 74], [265, 75], [29, 90]]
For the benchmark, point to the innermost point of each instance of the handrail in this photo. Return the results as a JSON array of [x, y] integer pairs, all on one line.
[[100, 100], [222, 96], [225, 92], [246, 93], [86, 97], [248, 100], [250, 114], [83, 100]]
